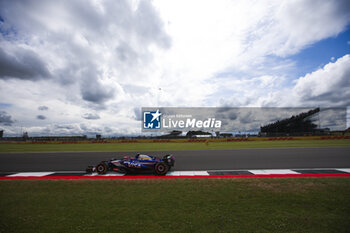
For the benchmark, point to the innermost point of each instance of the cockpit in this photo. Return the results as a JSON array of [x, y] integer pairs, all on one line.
[[143, 157]]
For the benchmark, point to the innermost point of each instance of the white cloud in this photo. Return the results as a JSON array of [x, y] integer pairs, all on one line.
[[252, 92], [240, 38], [290, 26], [328, 86], [108, 58], [5, 119]]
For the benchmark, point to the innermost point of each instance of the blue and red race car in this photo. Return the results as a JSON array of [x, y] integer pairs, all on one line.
[[140, 162]]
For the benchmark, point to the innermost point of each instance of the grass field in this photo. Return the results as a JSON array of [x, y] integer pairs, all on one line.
[[168, 146], [180, 205]]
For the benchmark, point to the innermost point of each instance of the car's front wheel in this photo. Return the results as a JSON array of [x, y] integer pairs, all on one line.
[[161, 168], [101, 168]]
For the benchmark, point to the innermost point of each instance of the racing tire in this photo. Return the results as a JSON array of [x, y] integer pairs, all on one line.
[[161, 169], [101, 168]]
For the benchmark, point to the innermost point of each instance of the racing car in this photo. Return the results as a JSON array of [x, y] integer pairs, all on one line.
[[140, 162]]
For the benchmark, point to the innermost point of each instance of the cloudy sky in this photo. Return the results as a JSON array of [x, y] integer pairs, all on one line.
[[84, 67]]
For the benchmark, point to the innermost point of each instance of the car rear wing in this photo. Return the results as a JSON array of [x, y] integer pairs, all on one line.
[[169, 159]]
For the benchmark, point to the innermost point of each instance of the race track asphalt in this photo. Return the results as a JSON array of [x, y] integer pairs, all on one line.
[[195, 160]]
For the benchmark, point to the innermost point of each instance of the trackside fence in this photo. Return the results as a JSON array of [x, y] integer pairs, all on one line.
[[193, 140]]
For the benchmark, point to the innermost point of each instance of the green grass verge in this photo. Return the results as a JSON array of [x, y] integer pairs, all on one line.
[[179, 205], [168, 146]]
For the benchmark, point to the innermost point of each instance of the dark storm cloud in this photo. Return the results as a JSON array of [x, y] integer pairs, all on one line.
[[67, 127], [40, 117], [96, 94], [343, 8], [227, 113], [43, 108], [93, 91], [22, 64], [232, 115], [5, 118], [70, 40], [247, 117], [144, 21], [91, 116]]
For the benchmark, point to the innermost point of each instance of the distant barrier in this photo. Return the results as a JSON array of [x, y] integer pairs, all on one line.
[[237, 139], [191, 140], [281, 138], [334, 137]]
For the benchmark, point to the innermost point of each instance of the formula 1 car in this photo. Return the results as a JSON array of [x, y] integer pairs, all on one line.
[[140, 162]]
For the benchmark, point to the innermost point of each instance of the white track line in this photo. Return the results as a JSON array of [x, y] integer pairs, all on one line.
[[187, 173], [344, 170], [180, 173], [108, 174], [273, 172], [24, 174]]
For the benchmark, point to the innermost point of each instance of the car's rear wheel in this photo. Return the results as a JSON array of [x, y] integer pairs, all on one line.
[[161, 168], [101, 168]]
